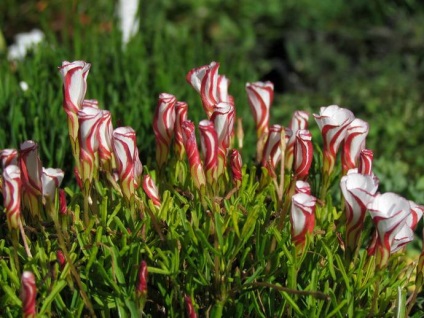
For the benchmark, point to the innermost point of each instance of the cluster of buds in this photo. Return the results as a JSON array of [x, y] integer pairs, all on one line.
[[96, 145], [26, 181], [216, 132], [275, 142]]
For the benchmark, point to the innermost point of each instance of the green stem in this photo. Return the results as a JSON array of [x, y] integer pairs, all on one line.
[[68, 258]]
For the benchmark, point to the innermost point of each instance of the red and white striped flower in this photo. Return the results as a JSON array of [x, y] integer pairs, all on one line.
[[272, 150], [163, 126], [298, 122], [105, 131], [333, 122], [151, 190], [204, 80], [406, 234], [260, 96], [190, 144], [31, 167], [195, 76], [12, 194], [236, 165], [358, 191], [28, 295], [303, 154], [74, 76], [354, 143], [389, 212], [8, 157], [209, 145], [126, 156], [89, 119], [51, 180], [181, 109], [223, 120], [31, 171], [302, 187], [365, 162], [302, 217]]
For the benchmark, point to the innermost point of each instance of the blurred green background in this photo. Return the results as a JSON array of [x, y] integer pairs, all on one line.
[[363, 55]]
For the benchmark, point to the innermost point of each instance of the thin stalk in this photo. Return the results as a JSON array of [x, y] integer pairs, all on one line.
[[24, 239]]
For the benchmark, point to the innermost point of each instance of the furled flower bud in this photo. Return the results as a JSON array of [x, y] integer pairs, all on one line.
[[163, 126], [204, 80], [358, 191], [126, 155], [223, 120], [31, 171], [51, 179], [260, 96], [28, 295], [60, 259], [354, 143], [302, 187], [74, 76], [272, 149], [191, 313], [89, 119], [236, 164], [181, 109], [299, 121], [389, 212], [8, 157], [365, 162], [333, 122], [12, 194], [141, 287], [209, 145], [63, 205], [105, 131], [302, 217], [303, 154], [151, 190], [193, 156]]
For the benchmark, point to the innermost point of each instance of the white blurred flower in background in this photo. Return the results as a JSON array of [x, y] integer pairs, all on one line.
[[127, 13], [23, 43], [24, 85]]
